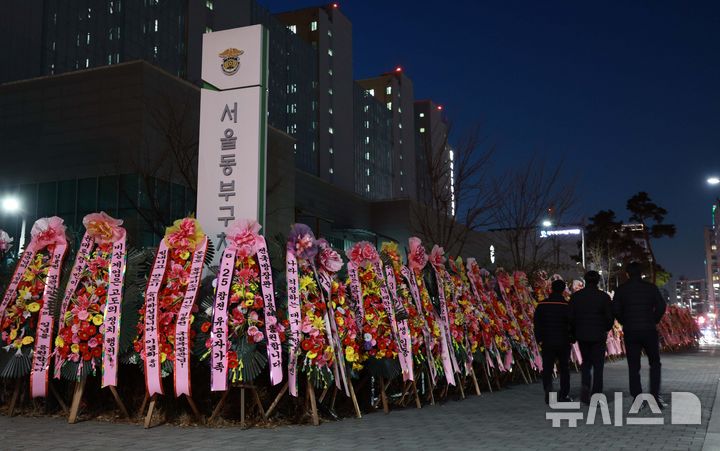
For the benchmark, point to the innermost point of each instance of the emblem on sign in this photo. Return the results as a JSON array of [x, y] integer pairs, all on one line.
[[231, 60]]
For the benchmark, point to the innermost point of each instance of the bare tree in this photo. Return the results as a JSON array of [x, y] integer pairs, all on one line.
[[525, 197], [169, 154], [455, 196]]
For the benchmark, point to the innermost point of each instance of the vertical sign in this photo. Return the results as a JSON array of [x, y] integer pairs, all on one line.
[[233, 130]]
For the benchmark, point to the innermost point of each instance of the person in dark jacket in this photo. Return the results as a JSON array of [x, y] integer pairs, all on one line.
[[590, 320], [639, 307], [552, 332]]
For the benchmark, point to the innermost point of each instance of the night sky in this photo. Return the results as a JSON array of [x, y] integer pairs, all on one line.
[[625, 93]]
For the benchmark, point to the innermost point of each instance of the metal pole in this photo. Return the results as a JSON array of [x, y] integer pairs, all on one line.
[[582, 235], [21, 246]]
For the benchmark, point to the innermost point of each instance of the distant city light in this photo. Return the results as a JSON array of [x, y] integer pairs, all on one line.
[[398, 69], [713, 180], [547, 223], [11, 204], [439, 107], [335, 5]]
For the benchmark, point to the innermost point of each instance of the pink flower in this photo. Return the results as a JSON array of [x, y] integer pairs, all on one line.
[[252, 331], [417, 258], [5, 241], [83, 315], [363, 252], [437, 256], [48, 231], [328, 258], [103, 227], [243, 236], [93, 342]]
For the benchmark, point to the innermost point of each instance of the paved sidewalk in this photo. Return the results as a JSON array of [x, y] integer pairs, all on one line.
[[511, 419]]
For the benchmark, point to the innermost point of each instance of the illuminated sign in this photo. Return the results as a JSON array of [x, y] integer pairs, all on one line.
[[559, 232]]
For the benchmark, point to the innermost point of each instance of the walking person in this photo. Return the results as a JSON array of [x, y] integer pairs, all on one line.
[[639, 307], [552, 332], [590, 320]]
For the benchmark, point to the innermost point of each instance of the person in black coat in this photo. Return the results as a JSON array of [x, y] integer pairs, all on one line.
[[639, 307], [552, 332], [590, 320]]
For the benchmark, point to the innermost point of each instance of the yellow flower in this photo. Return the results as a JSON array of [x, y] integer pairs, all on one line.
[[33, 307], [184, 255], [249, 302], [312, 354], [163, 357], [17, 343], [340, 321], [24, 293], [59, 342], [306, 282], [27, 340], [350, 354], [356, 366], [13, 334], [97, 319], [318, 323], [74, 348], [180, 229]]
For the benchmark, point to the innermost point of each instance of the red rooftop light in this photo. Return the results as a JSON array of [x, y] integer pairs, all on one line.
[[335, 5], [439, 107], [398, 69]]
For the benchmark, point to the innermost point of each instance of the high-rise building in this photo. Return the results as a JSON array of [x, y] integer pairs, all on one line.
[[52, 37], [329, 32], [373, 146], [712, 262], [435, 176], [395, 90], [691, 293]]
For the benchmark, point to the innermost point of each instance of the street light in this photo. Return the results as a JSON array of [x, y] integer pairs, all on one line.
[[547, 223], [713, 180], [12, 205]]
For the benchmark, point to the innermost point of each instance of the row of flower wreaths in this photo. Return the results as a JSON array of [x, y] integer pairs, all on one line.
[[386, 316]]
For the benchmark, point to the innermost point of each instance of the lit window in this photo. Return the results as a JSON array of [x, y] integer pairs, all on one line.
[[208, 30], [313, 25], [330, 52], [365, 108], [330, 111], [367, 171], [330, 33], [389, 105], [209, 4], [371, 92], [117, 58], [88, 38], [399, 125], [399, 110], [422, 129], [367, 140], [156, 25], [155, 51], [330, 91], [330, 130], [331, 151], [331, 170], [330, 72], [292, 28], [422, 114], [109, 58], [111, 7], [367, 155], [388, 90], [87, 62], [401, 172], [368, 188], [367, 124]]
